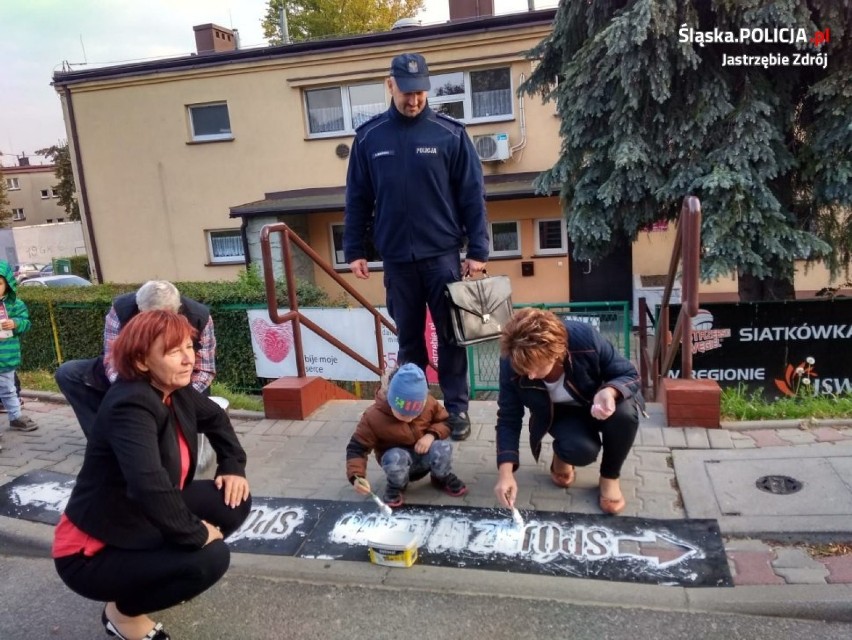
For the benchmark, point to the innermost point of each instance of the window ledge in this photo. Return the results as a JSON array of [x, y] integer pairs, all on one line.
[[224, 263], [561, 254], [496, 258], [228, 139]]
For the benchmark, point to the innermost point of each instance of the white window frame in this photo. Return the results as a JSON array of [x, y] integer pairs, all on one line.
[[466, 98], [54, 193], [338, 260], [12, 184], [345, 105], [45, 194], [563, 235], [235, 259], [18, 215], [208, 137], [504, 253]]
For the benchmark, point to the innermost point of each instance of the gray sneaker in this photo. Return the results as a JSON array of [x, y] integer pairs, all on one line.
[[22, 423], [459, 424]]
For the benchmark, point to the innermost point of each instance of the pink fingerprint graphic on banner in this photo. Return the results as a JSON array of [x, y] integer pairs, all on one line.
[[275, 340]]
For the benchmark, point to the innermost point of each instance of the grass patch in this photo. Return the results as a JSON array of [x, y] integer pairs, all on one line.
[[740, 404], [42, 380]]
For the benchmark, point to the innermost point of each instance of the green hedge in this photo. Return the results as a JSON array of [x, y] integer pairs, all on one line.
[[74, 317]]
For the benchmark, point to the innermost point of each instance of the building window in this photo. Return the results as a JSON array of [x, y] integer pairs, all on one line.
[[49, 220], [12, 184], [551, 237], [60, 219], [225, 246], [18, 214], [54, 193], [341, 110], [210, 122], [505, 239], [473, 96], [374, 260], [45, 193]]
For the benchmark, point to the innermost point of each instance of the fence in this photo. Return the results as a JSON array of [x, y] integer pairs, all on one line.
[[612, 319]]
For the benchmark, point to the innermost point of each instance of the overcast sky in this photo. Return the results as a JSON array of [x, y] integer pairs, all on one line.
[[36, 36]]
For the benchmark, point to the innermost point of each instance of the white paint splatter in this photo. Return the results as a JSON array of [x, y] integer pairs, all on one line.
[[264, 523], [52, 496]]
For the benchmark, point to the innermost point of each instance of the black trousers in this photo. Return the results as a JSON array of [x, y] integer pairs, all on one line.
[[146, 580], [578, 437]]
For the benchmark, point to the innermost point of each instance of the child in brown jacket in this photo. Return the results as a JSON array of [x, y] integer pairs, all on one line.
[[407, 429]]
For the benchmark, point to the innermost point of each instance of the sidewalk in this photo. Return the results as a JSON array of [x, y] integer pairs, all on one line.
[[305, 459]]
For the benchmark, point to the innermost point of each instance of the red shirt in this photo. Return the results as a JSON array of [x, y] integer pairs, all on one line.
[[68, 540]]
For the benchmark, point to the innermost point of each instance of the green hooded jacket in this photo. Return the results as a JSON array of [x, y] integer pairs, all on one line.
[[10, 348]]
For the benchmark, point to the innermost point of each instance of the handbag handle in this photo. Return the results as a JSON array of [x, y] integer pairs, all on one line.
[[467, 275]]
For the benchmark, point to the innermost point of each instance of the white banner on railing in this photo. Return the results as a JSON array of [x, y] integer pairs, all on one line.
[[275, 355]]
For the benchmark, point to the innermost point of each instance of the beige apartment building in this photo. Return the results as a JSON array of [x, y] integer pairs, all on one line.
[[180, 162], [32, 195]]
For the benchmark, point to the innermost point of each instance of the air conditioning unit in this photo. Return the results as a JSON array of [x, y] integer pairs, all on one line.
[[492, 147]]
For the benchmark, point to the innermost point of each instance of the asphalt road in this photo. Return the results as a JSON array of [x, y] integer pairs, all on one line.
[[249, 606]]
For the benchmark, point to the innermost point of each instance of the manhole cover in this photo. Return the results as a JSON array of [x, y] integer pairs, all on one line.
[[780, 485]]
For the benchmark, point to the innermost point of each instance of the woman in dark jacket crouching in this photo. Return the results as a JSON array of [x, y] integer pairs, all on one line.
[[578, 389], [139, 532]]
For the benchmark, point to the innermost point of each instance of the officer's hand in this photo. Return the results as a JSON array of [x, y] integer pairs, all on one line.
[[472, 267], [360, 269]]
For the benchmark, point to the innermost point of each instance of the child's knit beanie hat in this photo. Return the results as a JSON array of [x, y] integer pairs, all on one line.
[[407, 390]]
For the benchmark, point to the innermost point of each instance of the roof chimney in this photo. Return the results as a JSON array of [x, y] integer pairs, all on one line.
[[465, 9], [211, 38], [23, 161]]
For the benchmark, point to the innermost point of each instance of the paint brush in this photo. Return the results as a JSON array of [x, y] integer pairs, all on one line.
[[385, 509], [516, 515]]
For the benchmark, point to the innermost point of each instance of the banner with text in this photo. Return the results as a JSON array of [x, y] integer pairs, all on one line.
[[785, 348], [275, 355]]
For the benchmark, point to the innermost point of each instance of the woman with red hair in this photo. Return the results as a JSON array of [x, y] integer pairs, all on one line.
[[139, 531]]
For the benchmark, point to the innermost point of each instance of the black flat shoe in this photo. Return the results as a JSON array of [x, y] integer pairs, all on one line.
[[157, 633]]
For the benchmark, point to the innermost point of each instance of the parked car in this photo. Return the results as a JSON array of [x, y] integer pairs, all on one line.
[[56, 281], [47, 270], [28, 270]]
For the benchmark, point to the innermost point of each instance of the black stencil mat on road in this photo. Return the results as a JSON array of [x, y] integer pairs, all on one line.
[[687, 553]]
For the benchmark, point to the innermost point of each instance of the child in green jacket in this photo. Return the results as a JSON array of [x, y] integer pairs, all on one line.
[[14, 320]]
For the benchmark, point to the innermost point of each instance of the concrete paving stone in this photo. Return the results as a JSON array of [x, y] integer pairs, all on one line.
[[696, 438], [794, 558], [839, 569], [828, 434], [767, 438], [796, 436], [747, 544], [743, 442], [674, 438], [658, 505], [753, 568], [656, 460], [720, 439], [31, 465], [656, 481], [803, 576], [52, 456], [650, 435]]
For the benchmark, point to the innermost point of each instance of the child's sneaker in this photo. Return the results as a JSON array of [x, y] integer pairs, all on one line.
[[22, 423], [450, 484], [393, 496]]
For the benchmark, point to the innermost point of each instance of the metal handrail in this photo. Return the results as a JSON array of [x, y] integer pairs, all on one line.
[[686, 251], [297, 317]]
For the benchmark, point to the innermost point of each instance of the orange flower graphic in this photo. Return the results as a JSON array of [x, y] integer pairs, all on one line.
[[794, 377]]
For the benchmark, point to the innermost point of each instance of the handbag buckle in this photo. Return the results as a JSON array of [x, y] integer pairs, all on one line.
[[486, 318]]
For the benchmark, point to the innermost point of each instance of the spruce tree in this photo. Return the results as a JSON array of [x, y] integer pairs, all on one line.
[[650, 115]]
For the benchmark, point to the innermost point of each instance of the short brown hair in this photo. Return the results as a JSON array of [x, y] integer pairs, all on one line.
[[533, 337], [136, 338]]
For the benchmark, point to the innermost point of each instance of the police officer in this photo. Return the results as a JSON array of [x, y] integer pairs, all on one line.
[[419, 172]]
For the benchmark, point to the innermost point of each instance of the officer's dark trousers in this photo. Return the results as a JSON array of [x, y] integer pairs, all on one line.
[[410, 287]]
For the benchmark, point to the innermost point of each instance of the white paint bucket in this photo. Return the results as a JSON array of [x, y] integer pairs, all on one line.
[[393, 548]]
